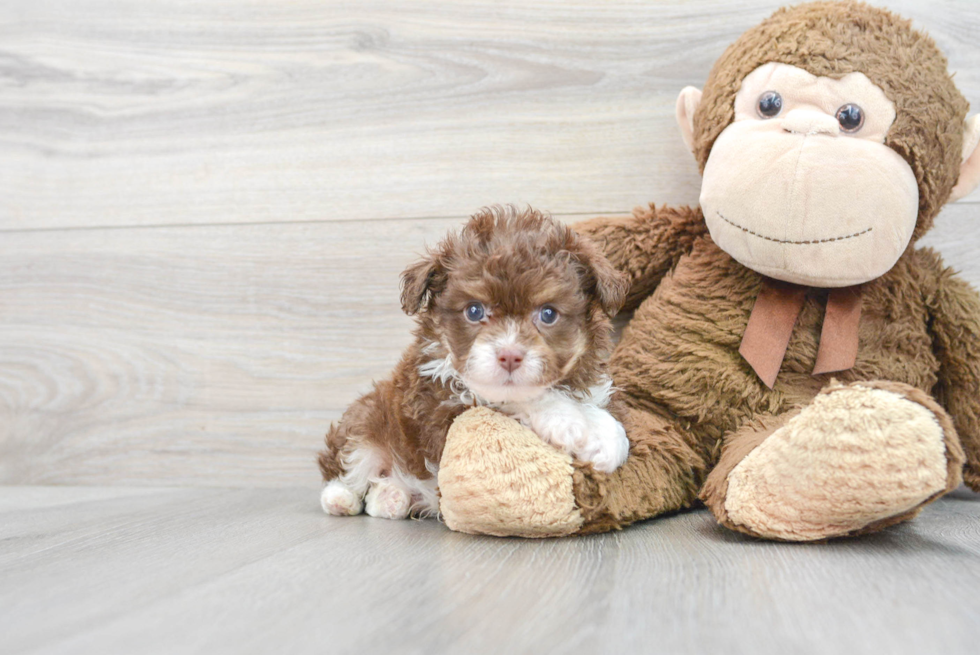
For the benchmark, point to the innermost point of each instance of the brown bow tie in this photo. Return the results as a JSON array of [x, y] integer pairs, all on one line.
[[771, 326]]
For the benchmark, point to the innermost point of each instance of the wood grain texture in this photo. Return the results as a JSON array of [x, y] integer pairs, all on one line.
[[191, 283], [213, 355], [259, 571], [124, 112], [205, 206], [141, 355]]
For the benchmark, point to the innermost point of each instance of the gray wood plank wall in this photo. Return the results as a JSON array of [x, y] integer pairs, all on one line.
[[205, 205]]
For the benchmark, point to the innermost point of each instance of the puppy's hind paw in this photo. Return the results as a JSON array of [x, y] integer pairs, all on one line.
[[338, 500], [387, 501]]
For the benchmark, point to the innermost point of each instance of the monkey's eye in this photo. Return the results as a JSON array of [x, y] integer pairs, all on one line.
[[548, 315], [474, 312], [770, 104], [850, 117]]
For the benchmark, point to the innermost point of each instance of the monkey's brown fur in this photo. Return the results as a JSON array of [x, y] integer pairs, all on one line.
[[678, 361], [696, 406], [690, 391]]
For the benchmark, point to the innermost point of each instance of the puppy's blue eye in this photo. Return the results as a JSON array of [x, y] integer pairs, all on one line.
[[474, 312], [548, 315]]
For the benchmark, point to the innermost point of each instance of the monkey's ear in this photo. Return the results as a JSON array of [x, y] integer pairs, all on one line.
[[687, 104], [419, 282], [970, 169]]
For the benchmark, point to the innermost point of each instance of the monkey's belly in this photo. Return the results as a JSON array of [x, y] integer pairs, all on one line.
[[680, 351]]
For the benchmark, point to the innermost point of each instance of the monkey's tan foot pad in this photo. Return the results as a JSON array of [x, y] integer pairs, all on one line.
[[498, 478], [856, 456]]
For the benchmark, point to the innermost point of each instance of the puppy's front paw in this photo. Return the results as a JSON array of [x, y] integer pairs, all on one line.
[[387, 501], [563, 426], [608, 446]]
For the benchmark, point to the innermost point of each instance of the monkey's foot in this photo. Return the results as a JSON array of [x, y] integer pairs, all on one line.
[[497, 477], [859, 458]]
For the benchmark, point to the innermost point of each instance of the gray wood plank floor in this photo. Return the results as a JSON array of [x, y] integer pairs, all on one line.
[[122, 570]]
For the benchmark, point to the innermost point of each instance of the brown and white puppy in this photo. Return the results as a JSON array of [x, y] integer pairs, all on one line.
[[513, 313]]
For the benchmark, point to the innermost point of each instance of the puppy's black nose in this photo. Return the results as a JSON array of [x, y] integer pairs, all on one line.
[[510, 359]]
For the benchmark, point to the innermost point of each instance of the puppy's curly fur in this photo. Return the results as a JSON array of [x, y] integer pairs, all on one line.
[[512, 311]]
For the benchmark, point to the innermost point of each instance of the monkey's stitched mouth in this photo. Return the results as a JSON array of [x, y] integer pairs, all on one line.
[[795, 243]]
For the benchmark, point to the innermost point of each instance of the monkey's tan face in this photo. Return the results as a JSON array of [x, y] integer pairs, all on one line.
[[801, 186]]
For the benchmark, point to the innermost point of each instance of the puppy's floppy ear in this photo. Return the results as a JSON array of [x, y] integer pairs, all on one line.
[[419, 284], [610, 286]]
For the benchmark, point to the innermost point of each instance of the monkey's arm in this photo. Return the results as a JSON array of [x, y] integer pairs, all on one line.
[[646, 245], [955, 314]]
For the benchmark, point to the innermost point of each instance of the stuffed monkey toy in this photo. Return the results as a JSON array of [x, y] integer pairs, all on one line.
[[794, 361]]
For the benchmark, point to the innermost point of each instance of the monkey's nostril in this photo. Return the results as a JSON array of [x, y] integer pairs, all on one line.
[[510, 359]]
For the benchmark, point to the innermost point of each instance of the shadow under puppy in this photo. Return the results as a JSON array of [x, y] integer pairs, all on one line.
[[513, 313]]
